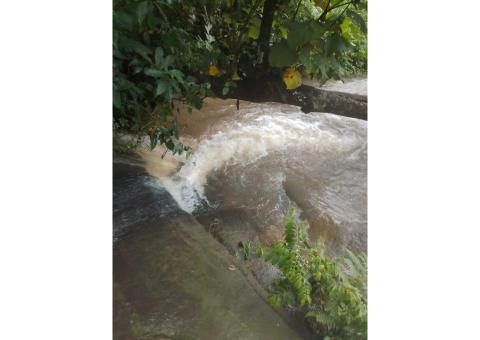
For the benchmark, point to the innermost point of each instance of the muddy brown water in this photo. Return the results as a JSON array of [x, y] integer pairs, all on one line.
[[179, 222]]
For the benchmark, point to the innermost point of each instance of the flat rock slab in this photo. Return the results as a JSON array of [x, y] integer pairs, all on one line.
[[357, 86], [173, 280]]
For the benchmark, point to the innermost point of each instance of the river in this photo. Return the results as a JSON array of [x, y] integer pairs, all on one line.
[[179, 223]]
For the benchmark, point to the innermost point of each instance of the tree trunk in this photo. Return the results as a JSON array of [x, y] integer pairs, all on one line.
[[265, 32]]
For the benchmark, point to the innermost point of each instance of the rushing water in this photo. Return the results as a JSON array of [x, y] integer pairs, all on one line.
[[178, 221], [264, 157]]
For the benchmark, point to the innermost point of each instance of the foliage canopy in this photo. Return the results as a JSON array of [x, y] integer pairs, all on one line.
[[169, 51]]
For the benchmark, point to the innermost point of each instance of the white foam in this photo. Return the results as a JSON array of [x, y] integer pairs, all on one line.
[[255, 134]]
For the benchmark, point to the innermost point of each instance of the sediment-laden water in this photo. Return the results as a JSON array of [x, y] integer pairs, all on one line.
[[264, 157], [178, 221]]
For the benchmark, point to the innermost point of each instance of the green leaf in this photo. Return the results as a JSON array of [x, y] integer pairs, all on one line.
[[153, 72], [227, 19], [225, 90], [162, 87], [142, 10], [117, 99], [153, 141], [132, 45], [345, 27], [358, 19], [158, 55], [179, 148], [254, 30], [176, 74], [115, 39], [299, 34], [167, 61], [174, 128], [169, 144], [197, 102], [203, 90], [122, 19], [318, 30], [281, 55], [335, 44]]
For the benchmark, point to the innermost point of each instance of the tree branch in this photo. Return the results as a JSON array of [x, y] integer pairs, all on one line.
[[296, 11], [329, 9], [340, 5], [325, 11], [348, 4]]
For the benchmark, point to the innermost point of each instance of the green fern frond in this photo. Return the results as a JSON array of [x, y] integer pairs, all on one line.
[[331, 291]]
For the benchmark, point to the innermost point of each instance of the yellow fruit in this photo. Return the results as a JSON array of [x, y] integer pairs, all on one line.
[[292, 78], [213, 71]]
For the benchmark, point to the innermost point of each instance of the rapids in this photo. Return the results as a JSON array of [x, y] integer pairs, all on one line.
[[263, 157]]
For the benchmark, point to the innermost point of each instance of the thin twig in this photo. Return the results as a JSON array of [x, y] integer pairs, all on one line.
[[325, 11], [340, 5], [296, 11], [161, 12], [345, 9], [329, 9]]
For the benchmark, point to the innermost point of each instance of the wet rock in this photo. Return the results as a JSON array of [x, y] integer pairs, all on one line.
[[172, 279]]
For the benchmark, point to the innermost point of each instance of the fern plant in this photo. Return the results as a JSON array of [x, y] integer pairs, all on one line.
[[355, 269], [331, 292]]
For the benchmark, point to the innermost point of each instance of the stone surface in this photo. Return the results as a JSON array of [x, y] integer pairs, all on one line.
[[173, 280]]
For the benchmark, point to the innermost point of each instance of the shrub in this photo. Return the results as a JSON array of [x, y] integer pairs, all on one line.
[[332, 293], [167, 52]]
